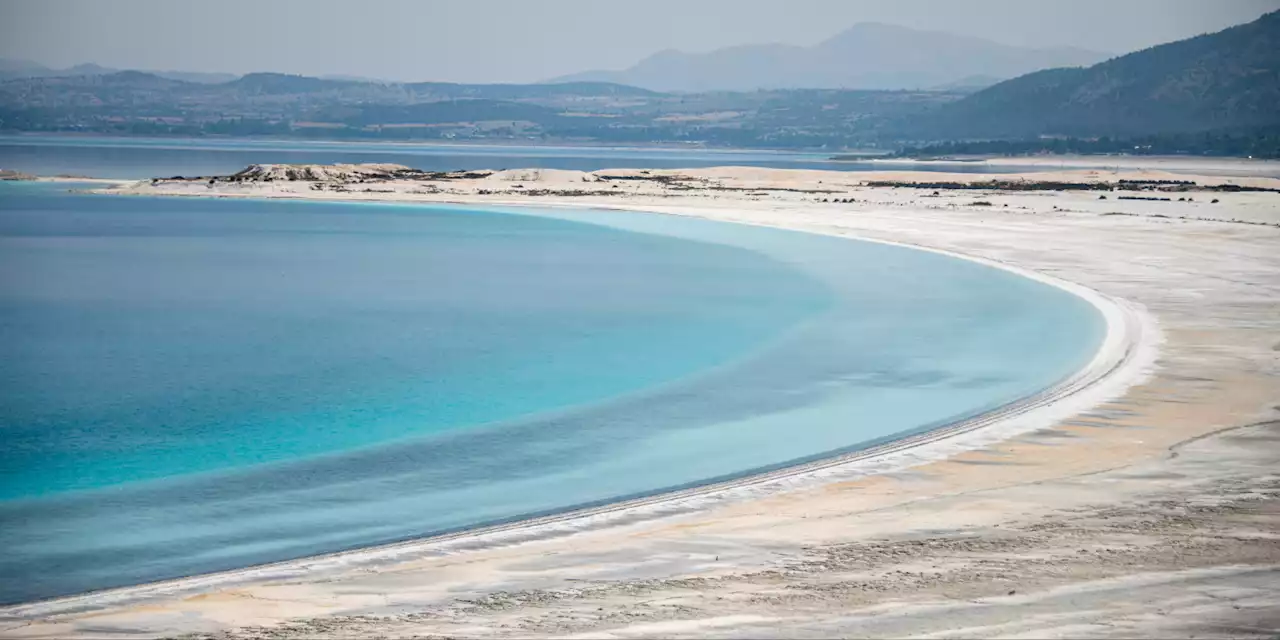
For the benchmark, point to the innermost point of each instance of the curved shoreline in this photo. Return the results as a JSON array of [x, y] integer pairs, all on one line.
[[1124, 355]]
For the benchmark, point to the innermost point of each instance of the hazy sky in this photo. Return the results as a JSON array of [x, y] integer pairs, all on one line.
[[530, 40]]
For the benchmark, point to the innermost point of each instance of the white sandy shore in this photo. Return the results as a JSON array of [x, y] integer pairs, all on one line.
[[1180, 164], [1213, 287]]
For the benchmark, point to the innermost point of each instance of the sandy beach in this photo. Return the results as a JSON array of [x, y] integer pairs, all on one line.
[[1139, 498], [1178, 164]]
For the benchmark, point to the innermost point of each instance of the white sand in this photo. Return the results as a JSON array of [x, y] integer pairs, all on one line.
[[1119, 497], [1180, 164]]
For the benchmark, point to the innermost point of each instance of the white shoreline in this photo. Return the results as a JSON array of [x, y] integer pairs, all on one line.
[[1126, 355], [1195, 164]]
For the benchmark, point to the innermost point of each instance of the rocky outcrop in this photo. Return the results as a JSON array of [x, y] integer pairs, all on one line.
[[8, 174], [334, 174], [324, 173]]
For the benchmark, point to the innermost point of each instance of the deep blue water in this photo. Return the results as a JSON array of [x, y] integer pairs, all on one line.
[[140, 158], [192, 385]]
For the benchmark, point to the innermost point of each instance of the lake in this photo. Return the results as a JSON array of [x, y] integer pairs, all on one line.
[[192, 385]]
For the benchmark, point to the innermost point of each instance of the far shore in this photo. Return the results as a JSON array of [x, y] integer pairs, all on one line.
[[986, 523], [1187, 163], [440, 142]]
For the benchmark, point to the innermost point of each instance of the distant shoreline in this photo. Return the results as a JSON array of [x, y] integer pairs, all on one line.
[[1223, 165], [819, 154], [495, 142]]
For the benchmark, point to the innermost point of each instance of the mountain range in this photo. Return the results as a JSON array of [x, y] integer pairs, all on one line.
[[1218, 81], [866, 56], [1213, 93]]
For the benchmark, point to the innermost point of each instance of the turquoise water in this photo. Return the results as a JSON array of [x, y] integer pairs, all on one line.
[[193, 385]]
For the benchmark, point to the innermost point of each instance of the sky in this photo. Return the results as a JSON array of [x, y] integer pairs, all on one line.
[[532, 40]]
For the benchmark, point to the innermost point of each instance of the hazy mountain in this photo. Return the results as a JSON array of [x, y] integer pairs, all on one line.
[[282, 83], [398, 92], [866, 56], [21, 68], [58, 101], [1228, 79], [11, 69]]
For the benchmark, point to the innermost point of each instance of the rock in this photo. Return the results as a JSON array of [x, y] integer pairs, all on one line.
[[339, 173], [8, 174]]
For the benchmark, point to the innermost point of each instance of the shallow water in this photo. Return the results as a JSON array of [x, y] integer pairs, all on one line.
[[194, 385]]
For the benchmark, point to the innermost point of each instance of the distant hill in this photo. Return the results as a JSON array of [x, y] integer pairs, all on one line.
[[11, 69], [281, 83], [15, 68], [441, 112], [866, 56], [1220, 81], [273, 104]]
